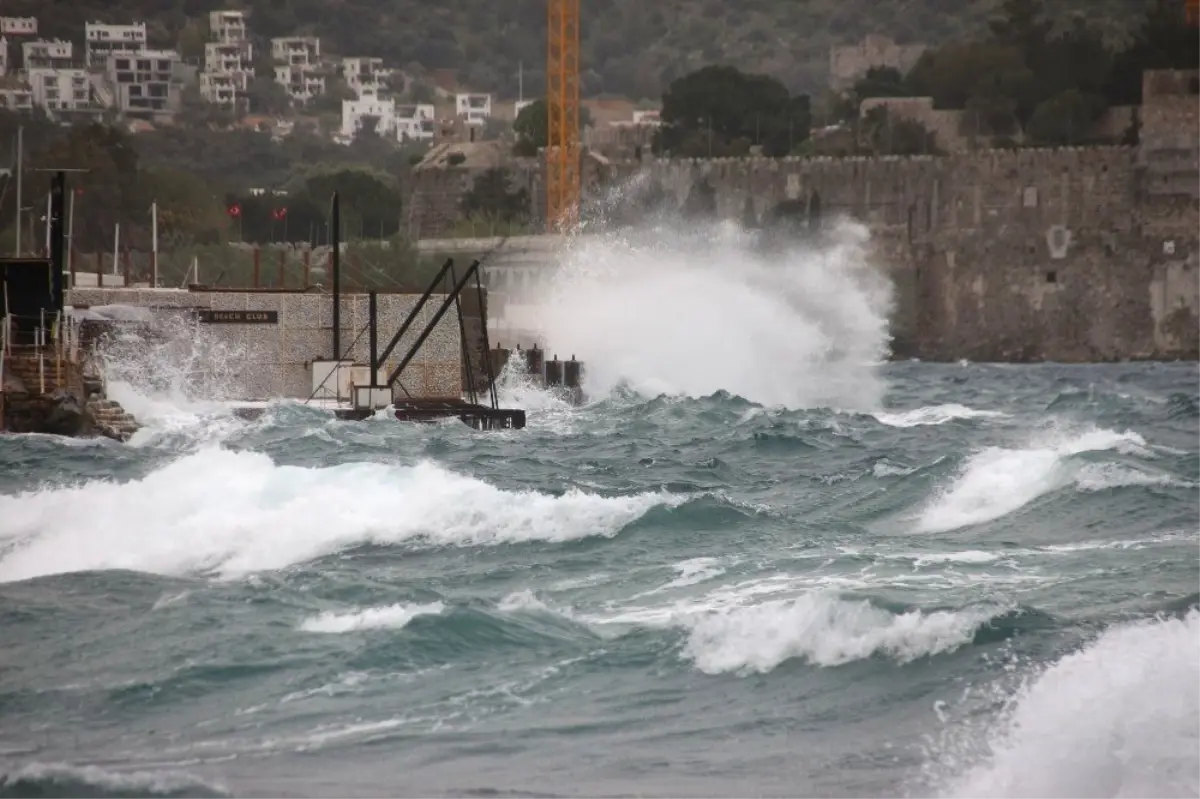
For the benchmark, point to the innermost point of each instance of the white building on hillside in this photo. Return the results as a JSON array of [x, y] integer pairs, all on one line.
[[18, 26], [228, 71], [297, 67], [101, 40], [354, 111], [301, 83], [364, 75], [228, 60], [415, 122], [59, 89], [146, 84], [227, 57], [44, 54], [225, 89], [227, 26], [296, 51], [475, 107], [17, 98]]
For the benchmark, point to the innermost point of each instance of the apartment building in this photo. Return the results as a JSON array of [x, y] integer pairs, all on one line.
[[16, 98], [227, 26], [364, 75], [225, 89], [296, 51], [146, 84], [415, 122], [102, 40], [47, 54], [476, 108], [298, 67], [228, 71], [228, 60], [59, 89], [18, 26], [353, 112], [302, 83]]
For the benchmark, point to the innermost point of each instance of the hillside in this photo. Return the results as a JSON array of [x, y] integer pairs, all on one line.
[[630, 48]]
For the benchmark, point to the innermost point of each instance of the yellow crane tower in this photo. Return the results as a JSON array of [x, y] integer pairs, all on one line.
[[562, 110]]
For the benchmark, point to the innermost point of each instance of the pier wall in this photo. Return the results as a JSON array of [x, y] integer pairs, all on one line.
[[274, 359]]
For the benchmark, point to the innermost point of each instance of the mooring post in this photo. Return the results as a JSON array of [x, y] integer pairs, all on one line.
[[335, 239], [373, 332], [58, 206]]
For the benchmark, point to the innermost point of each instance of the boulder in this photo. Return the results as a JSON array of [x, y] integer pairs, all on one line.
[[66, 416]]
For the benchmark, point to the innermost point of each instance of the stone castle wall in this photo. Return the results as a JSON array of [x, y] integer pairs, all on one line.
[[1069, 254], [1056, 254]]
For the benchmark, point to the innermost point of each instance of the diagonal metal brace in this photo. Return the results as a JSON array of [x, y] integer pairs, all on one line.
[[450, 299], [437, 281]]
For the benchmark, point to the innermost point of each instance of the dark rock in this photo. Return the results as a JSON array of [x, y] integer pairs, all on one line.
[[66, 416]]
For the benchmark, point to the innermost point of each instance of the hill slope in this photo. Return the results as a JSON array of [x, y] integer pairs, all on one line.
[[631, 48]]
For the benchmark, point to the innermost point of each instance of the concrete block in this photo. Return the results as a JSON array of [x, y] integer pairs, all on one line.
[[261, 342], [303, 345], [300, 311], [229, 301], [262, 380]]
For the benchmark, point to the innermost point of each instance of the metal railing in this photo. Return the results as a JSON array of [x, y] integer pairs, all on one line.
[[3, 358], [53, 343]]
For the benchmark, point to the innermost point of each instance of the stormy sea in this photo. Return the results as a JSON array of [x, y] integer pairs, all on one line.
[[761, 559]]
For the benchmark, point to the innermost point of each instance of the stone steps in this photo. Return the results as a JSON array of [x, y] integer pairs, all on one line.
[[111, 419]]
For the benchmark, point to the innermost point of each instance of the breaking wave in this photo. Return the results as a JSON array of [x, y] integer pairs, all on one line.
[[232, 513], [824, 631], [997, 481], [695, 314], [1120, 717]]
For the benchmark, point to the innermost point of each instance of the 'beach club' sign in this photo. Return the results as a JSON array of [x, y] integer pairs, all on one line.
[[239, 317]]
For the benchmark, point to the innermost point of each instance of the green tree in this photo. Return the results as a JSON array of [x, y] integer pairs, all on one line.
[[1066, 118], [108, 189], [189, 211], [881, 82], [722, 110], [192, 38], [268, 97], [371, 202], [532, 126], [1162, 41], [882, 133], [330, 101], [491, 197]]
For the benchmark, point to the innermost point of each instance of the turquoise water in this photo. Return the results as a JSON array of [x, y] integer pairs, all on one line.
[[985, 586]]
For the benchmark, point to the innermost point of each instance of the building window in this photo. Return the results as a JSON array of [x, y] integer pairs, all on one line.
[[1052, 277]]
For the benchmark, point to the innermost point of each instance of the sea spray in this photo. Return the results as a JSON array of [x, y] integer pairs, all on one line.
[[171, 366], [696, 312]]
